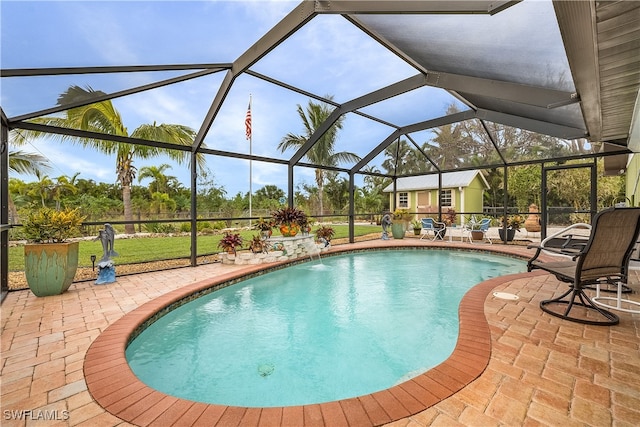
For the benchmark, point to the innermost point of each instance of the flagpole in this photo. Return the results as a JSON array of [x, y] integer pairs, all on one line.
[[250, 163]]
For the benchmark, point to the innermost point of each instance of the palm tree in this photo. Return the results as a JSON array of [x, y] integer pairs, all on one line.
[[323, 151], [27, 163], [63, 185], [158, 178], [102, 117], [42, 188], [451, 144]]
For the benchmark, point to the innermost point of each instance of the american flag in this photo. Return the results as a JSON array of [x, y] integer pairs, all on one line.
[[247, 121]]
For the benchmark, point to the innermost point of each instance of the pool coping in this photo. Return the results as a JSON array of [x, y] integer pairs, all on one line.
[[115, 387]]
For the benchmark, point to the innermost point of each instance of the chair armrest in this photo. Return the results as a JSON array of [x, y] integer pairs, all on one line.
[[573, 253]]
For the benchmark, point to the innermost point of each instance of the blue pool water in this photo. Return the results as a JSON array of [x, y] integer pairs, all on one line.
[[346, 326]]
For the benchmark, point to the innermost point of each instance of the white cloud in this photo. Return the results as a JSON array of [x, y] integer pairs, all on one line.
[[68, 159]]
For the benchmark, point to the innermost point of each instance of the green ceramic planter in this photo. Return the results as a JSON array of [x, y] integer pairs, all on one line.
[[397, 230], [50, 267]]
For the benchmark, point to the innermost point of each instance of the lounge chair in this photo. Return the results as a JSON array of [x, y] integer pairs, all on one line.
[[429, 226], [604, 258]]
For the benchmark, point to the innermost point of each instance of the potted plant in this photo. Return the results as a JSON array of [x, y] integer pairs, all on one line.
[[325, 234], [417, 227], [50, 261], [265, 227], [229, 242], [513, 223], [258, 245], [400, 219], [289, 220], [474, 227], [305, 225], [450, 217]]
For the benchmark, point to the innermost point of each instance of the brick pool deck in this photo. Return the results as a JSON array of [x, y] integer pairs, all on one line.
[[513, 364]]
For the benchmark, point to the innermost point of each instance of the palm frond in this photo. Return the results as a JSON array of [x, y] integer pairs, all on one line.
[[27, 163]]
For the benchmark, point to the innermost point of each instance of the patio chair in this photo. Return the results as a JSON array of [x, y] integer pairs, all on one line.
[[430, 226], [604, 258], [565, 244], [480, 227]]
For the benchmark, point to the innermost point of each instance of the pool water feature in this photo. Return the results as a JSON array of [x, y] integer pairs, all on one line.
[[315, 332]]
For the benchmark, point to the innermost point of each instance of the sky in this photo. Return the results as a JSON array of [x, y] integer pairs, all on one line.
[[329, 56]]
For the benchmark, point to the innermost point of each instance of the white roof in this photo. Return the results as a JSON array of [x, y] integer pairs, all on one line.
[[430, 182]]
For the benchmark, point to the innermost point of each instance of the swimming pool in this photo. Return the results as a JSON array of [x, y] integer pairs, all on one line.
[[316, 332]]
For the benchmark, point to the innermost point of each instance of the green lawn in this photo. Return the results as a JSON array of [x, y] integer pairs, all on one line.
[[137, 250]]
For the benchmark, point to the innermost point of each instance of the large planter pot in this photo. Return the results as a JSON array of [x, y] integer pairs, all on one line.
[[397, 230], [477, 235], [511, 233], [532, 223], [50, 267], [289, 230]]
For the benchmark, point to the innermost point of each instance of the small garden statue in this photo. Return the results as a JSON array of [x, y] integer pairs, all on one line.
[[386, 222], [106, 268], [107, 237]]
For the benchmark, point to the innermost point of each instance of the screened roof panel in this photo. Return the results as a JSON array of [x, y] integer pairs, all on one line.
[[359, 135], [33, 94], [568, 115], [424, 103], [273, 115], [330, 56], [180, 103], [521, 44]]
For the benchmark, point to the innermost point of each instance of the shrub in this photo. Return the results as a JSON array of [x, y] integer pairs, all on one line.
[[48, 225], [159, 228], [230, 241]]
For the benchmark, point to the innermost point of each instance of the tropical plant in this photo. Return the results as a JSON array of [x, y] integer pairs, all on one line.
[[263, 224], [323, 151], [513, 222], [325, 232], [289, 216], [450, 145], [417, 225], [159, 181], [42, 188], [230, 241], [258, 245], [450, 216], [27, 163], [401, 214], [102, 117], [48, 225], [63, 185]]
